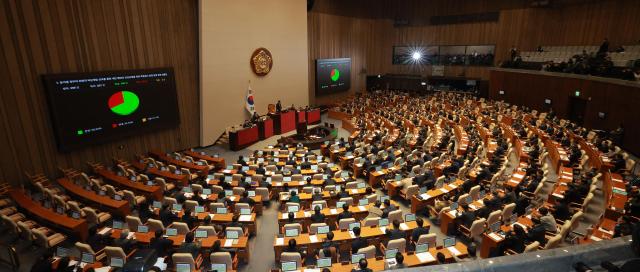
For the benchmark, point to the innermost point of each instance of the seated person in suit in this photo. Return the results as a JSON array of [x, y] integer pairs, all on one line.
[[317, 216], [537, 232], [345, 212], [484, 211], [342, 193], [198, 198], [217, 247], [188, 218], [123, 242], [388, 207], [166, 215], [362, 266], [293, 247], [515, 239], [160, 244], [467, 217], [246, 199], [561, 210], [317, 194], [189, 246], [419, 230], [395, 233], [294, 198], [374, 210], [358, 242], [547, 220]]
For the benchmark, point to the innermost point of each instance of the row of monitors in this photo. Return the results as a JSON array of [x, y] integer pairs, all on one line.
[[229, 234], [355, 258], [383, 222]]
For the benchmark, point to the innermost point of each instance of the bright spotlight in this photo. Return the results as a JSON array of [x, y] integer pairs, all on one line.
[[416, 56]]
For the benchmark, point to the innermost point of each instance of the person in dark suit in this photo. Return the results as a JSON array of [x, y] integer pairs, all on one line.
[[362, 266], [166, 215], [515, 239], [537, 232], [123, 242], [293, 247], [345, 212], [198, 198], [241, 161], [261, 170], [388, 207], [467, 217], [246, 199], [189, 246], [484, 211], [420, 230], [317, 195], [95, 240], [317, 216], [358, 242], [561, 210], [395, 233], [342, 193], [188, 218], [160, 244], [278, 107]]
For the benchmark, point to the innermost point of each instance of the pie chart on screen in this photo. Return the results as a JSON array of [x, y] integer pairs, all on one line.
[[335, 74], [124, 103]]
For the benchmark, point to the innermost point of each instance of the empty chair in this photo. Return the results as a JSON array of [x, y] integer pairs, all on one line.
[[313, 228], [409, 192], [369, 252], [133, 222], [264, 193], [399, 244], [474, 192], [154, 225], [132, 198], [95, 218], [291, 257], [169, 201], [347, 200], [344, 223], [395, 215], [181, 227], [296, 226], [184, 258], [187, 172], [476, 229], [238, 190], [164, 185], [296, 177], [224, 258], [115, 252], [47, 242]]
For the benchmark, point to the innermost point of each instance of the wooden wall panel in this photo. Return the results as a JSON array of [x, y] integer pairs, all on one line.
[[367, 35], [64, 36], [530, 88]]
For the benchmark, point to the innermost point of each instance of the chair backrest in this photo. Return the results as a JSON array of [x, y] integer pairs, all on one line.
[[508, 210], [196, 187], [474, 192], [291, 257], [133, 222], [554, 242], [211, 231], [344, 223], [215, 205], [25, 231], [369, 252], [181, 227], [116, 252], [427, 238], [191, 205], [238, 190], [240, 206], [320, 202], [296, 177], [439, 182], [532, 247], [493, 217], [277, 178], [155, 225], [462, 199], [91, 216], [347, 200], [82, 247], [371, 221], [395, 215], [296, 226], [181, 258], [313, 228], [170, 201], [575, 220], [222, 258], [411, 191], [41, 239], [400, 244], [477, 227], [129, 196]]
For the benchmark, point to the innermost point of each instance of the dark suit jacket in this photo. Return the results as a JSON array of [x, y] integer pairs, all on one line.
[[467, 218], [345, 214], [161, 246], [358, 243], [395, 234], [191, 248], [415, 234], [536, 233]]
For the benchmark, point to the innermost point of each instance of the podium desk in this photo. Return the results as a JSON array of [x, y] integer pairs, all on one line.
[[243, 137], [284, 122]]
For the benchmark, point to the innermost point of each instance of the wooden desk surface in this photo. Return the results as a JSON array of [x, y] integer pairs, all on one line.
[[217, 161], [120, 207], [76, 226], [154, 191], [183, 179], [202, 170]]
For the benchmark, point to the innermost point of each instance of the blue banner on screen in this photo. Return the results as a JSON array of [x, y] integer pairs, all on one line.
[[333, 75], [91, 108]]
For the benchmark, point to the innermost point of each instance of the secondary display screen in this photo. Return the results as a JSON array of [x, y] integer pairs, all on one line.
[[333, 75], [91, 108]]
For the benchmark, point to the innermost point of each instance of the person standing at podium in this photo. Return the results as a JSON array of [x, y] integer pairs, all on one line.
[[278, 107], [255, 117]]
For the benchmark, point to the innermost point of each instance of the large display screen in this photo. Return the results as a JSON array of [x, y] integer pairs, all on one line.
[[91, 108], [333, 75]]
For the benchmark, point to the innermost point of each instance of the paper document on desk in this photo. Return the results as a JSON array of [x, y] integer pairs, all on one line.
[[104, 231], [354, 191], [605, 231], [307, 214], [352, 234], [103, 269], [495, 236], [425, 196], [245, 217], [444, 190], [596, 239], [229, 242], [333, 211], [161, 264], [518, 176], [403, 226], [279, 241], [454, 251], [473, 207], [362, 208], [453, 186], [232, 198], [313, 238], [131, 235], [452, 213], [558, 195], [383, 229], [425, 257]]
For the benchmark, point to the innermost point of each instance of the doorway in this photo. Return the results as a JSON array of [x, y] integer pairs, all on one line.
[[577, 107]]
